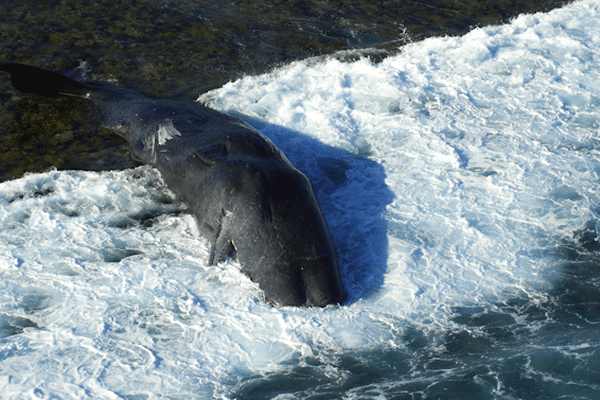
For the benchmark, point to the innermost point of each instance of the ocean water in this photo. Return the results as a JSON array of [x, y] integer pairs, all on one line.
[[459, 178]]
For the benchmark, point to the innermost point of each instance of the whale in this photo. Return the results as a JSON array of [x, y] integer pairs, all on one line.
[[246, 197]]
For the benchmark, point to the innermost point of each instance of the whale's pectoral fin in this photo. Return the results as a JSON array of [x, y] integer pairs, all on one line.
[[211, 154], [28, 79], [222, 249]]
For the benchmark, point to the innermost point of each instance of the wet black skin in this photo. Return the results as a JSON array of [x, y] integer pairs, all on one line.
[[245, 195]]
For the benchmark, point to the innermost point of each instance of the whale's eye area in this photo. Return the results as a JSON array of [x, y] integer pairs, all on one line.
[[211, 154], [205, 160]]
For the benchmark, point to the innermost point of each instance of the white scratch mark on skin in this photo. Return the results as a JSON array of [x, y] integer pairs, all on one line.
[[166, 132]]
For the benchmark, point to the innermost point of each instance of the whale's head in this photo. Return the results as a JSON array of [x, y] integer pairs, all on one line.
[[262, 211], [280, 236]]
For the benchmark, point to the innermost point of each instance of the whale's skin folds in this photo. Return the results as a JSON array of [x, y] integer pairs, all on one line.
[[245, 195]]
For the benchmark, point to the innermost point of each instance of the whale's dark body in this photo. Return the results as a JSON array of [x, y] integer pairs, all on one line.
[[245, 195]]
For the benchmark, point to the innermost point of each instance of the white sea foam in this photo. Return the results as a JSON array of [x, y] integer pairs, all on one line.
[[488, 146]]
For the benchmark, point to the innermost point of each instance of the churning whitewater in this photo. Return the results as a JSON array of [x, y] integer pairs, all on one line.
[[458, 178]]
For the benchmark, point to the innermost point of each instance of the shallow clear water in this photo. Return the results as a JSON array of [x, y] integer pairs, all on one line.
[[459, 179]]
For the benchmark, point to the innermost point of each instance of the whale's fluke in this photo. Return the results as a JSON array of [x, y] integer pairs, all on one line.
[[29, 79]]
